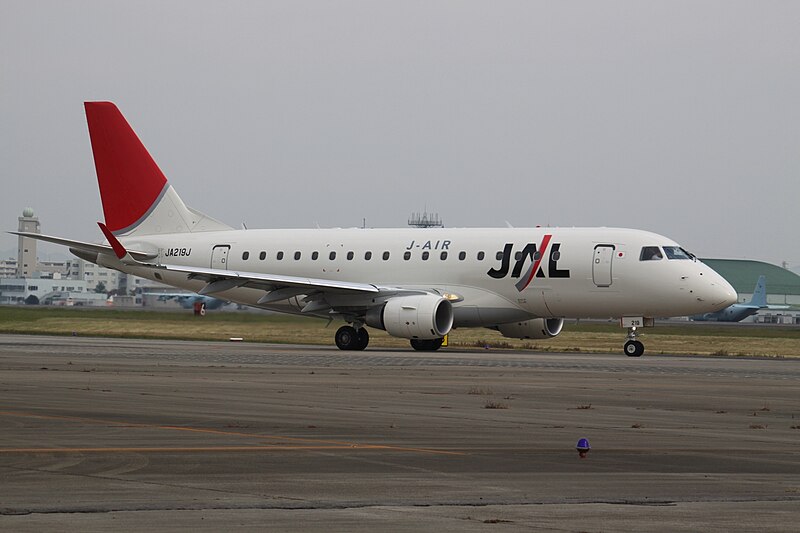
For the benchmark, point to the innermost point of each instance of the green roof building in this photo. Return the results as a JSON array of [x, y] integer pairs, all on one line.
[[783, 286]]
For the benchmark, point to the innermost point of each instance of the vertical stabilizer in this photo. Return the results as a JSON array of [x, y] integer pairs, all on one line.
[[760, 293], [136, 196]]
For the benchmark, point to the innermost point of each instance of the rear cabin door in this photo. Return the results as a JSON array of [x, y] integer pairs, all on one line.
[[219, 257], [601, 264]]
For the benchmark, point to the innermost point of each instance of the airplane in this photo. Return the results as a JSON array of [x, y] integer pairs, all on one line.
[[414, 283], [737, 311], [187, 301]]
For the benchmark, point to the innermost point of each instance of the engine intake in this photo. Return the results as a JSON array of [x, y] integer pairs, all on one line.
[[537, 328], [424, 316]]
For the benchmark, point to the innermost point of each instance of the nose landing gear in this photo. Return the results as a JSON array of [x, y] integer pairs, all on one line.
[[633, 347]]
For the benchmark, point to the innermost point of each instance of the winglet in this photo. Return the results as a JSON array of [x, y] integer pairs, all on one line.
[[119, 250]]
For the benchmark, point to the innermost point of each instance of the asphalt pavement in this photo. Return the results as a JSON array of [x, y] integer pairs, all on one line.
[[169, 435]]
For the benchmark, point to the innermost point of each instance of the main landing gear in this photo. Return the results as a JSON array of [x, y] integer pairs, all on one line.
[[633, 347], [357, 338], [350, 338], [426, 345]]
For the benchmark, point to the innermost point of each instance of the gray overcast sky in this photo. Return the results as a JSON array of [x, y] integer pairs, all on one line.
[[677, 117]]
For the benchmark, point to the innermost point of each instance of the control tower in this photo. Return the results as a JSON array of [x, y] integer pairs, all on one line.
[[26, 248]]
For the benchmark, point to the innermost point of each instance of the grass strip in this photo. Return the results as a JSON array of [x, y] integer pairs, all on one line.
[[593, 337]]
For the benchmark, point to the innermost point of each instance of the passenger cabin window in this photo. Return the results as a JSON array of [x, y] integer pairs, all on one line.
[[245, 255], [385, 256], [262, 255], [332, 256], [314, 256], [499, 256], [650, 253], [443, 256], [279, 256], [676, 252], [350, 256], [481, 255], [367, 256], [407, 256], [297, 256], [462, 256], [425, 256], [518, 256]]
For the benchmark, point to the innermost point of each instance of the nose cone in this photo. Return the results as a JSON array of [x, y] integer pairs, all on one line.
[[720, 294]]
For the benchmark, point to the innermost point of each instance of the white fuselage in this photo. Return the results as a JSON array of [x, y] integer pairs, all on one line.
[[582, 272]]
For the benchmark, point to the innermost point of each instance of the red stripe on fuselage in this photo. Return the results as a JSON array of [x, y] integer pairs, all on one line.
[[542, 248]]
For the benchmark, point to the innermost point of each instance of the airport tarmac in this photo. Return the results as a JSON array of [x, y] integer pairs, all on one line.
[[168, 435]]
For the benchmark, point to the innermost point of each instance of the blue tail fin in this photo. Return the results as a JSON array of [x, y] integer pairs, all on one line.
[[760, 293]]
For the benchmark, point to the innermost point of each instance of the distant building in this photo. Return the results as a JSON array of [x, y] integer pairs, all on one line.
[[94, 274], [48, 291], [425, 220], [783, 286], [28, 266], [8, 268]]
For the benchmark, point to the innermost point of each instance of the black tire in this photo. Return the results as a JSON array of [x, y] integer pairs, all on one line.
[[426, 345], [436, 344], [634, 348], [346, 338], [363, 339]]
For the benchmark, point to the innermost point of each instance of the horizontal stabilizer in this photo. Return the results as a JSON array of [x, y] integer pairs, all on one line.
[[89, 247]]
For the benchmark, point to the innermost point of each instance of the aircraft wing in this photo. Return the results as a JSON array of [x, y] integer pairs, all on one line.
[[220, 280], [277, 287], [280, 287]]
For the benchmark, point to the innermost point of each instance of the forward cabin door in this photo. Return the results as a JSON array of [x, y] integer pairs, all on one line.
[[601, 265], [219, 257]]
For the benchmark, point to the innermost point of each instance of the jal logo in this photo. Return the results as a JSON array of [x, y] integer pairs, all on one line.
[[535, 254]]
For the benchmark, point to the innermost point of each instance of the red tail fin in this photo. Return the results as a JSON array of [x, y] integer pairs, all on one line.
[[130, 181]]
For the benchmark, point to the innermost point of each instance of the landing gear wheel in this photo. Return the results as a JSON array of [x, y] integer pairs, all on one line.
[[426, 345], [363, 339], [634, 349], [347, 338]]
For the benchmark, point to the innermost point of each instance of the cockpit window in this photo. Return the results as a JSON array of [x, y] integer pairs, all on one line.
[[676, 252], [651, 253]]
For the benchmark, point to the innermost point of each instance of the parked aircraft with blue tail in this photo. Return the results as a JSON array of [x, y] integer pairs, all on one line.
[[739, 311], [188, 300]]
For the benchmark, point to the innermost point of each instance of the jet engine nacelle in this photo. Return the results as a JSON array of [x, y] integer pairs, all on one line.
[[424, 316], [537, 328]]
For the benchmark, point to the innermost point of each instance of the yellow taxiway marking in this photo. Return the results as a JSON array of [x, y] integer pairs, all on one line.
[[309, 443]]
